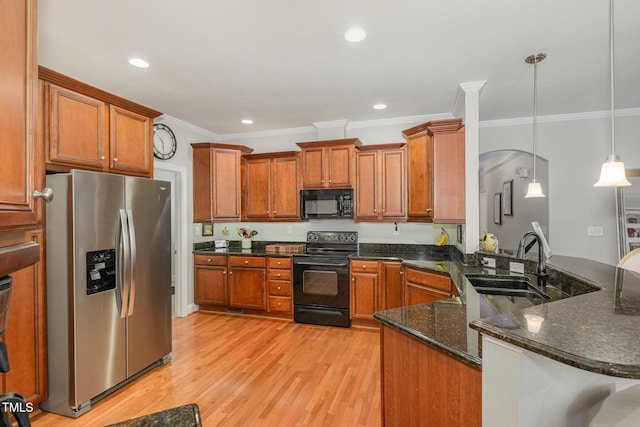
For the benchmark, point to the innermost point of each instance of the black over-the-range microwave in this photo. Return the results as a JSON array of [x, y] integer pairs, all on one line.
[[332, 203]]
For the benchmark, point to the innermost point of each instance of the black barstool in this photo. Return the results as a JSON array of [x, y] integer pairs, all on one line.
[[10, 402]]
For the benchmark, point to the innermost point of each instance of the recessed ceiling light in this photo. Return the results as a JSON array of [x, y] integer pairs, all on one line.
[[355, 35], [247, 121], [140, 63], [380, 106]]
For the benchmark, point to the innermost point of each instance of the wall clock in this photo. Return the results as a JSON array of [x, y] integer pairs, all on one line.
[[164, 142]]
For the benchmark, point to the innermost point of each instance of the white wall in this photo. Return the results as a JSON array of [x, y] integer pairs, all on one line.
[[575, 150], [524, 210]]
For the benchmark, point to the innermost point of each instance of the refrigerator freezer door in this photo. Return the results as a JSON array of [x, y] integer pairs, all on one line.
[[99, 360], [149, 322]]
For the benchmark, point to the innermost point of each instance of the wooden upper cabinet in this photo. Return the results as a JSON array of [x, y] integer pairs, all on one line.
[[78, 128], [271, 189], [328, 164], [88, 128], [131, 148], [18, 87], [216, 181], [436, 171], [381, 183]]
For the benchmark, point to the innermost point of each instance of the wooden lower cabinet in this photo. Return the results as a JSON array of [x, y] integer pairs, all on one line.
[[364, 289], [421, 286], [424, 386], [390, 294], [25, 334], [280, 277], [247, 284], [210, 280]]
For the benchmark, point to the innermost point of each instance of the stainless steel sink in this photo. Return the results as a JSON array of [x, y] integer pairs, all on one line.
[[507, 286]]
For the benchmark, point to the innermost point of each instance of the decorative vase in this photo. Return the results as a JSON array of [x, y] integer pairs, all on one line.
[[246, 243]]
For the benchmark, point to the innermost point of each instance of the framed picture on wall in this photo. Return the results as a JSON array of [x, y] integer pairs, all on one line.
[[207, 229], [507, 191], [497, 208]]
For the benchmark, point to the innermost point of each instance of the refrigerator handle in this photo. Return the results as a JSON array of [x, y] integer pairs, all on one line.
[[133, 255], [122, 244]]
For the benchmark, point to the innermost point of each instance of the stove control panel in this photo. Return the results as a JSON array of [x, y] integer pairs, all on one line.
[[342, 237]]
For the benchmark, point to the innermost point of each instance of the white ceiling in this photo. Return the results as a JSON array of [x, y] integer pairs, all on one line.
[[285, 64]]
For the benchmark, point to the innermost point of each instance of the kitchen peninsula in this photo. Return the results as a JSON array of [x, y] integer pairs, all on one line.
[[586, 336]]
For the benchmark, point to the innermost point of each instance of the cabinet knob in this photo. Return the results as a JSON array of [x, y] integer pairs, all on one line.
[[115, 159], [375, 211], [237, 212], [103, 158], [209, 260], [429, 210], [330, 181], [268, 212], [364, 267], [46, 194], [401, 273], [278, 274], [353, 279], [230, 273], [224, 272], [279, 263], [322, 181], [275, 212], [279, 288], [279, 304], [246, 261]]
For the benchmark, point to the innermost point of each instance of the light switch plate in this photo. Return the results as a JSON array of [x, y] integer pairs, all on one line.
[[489, 262], [516, 267], [595, 230]]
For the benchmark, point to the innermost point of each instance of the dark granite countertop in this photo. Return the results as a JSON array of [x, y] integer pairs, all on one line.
[[184, 416], [591, 321]]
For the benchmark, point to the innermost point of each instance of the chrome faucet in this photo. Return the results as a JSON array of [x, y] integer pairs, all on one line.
[[522, 251]]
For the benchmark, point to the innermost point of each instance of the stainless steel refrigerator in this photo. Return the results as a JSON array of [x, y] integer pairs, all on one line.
[[108, 264]]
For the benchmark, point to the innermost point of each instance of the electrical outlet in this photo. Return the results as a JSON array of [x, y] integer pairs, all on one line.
[[489, 262], [595, 230], [396, 230], [516, 267], [289, 229]]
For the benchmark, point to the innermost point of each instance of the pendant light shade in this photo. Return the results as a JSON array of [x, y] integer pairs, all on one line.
[[612, 173], [535, 190]]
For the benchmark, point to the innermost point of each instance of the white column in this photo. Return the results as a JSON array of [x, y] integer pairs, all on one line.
[[472, 152]]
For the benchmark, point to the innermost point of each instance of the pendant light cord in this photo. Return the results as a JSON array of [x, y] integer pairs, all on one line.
[[611, 58], [535, 112]]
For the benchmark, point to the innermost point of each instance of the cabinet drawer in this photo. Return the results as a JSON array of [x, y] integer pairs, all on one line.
[[280, 304], [435, 281], [279, 262], [202, 259], [364, 266], [246, 261], [279, 288], [280, 274]]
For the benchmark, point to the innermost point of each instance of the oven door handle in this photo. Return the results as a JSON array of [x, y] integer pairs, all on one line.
[[323, 264]]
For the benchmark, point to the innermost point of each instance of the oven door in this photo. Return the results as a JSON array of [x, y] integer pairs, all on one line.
[[321, 291]]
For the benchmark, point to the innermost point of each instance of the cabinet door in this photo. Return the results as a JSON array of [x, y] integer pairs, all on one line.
[[226, 184], [130, 142], [25, 333], [392, 189], [364, 295], [419, 177], [339, 167], [285, 188], [418, 294], [390, 285], [247, 288], [258, 188], [313, 168], [210, 285], [78, 131], [366, 185], [449, 177], [18, 62]]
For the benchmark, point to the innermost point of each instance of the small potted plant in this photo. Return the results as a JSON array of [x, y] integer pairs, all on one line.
[[246, 234]]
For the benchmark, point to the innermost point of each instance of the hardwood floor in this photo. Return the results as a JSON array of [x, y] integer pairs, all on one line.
[[251, 371]]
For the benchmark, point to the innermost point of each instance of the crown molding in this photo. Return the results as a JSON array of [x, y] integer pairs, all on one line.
[[169, 120], [267, 133], [590, 115], [331, 124], [399, 120]]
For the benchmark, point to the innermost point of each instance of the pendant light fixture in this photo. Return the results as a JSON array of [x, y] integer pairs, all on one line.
[[612, 173], [534, 189]]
